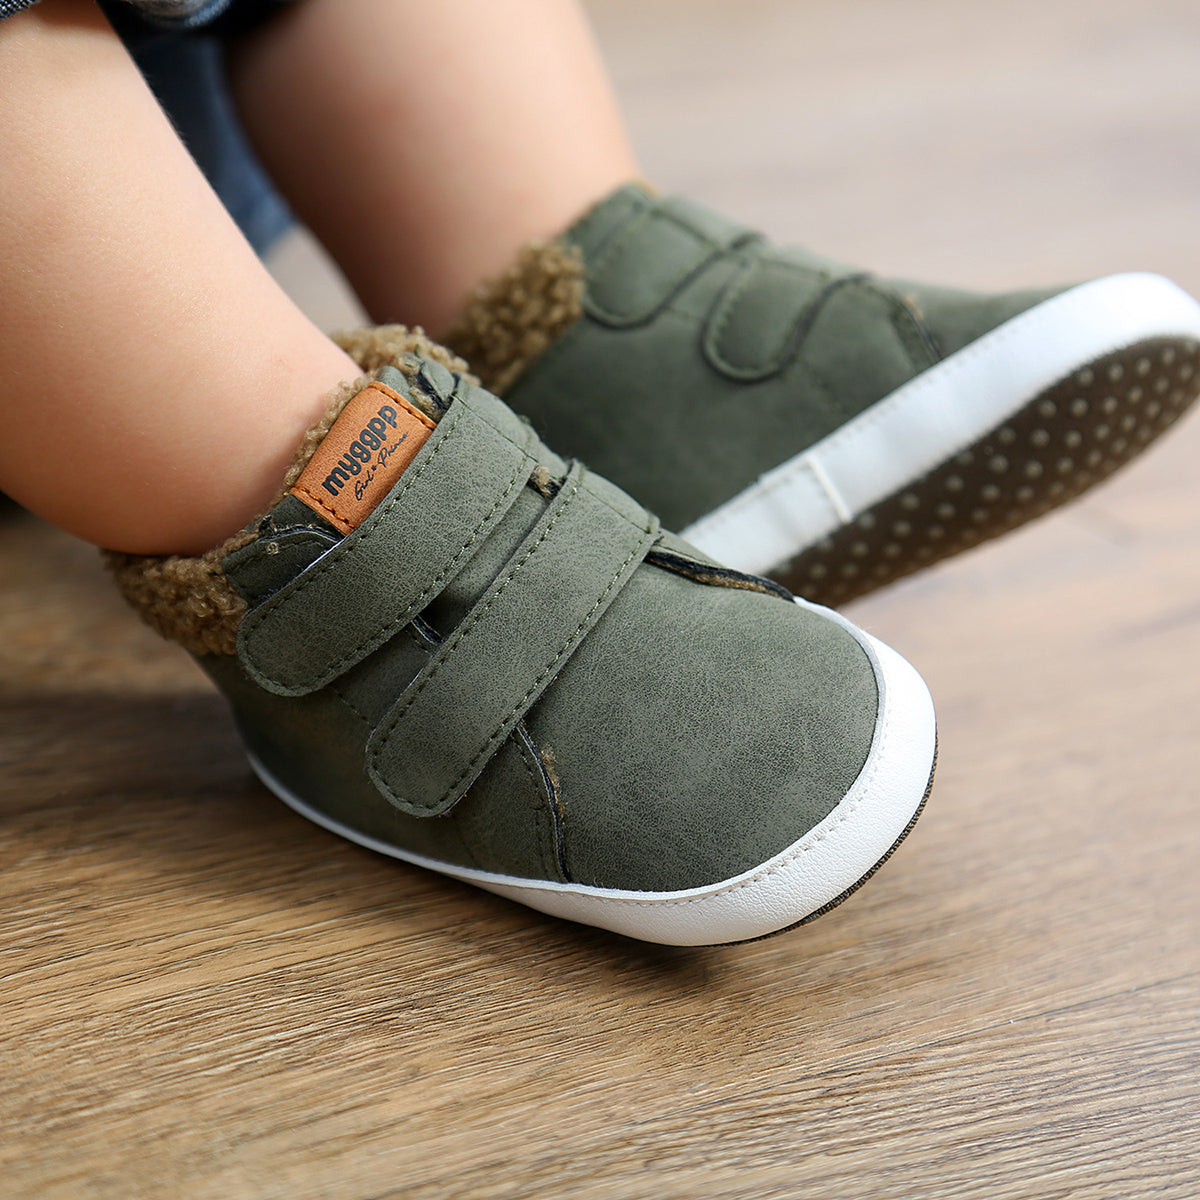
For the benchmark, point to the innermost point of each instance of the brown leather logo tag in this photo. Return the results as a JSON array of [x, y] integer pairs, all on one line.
[[376, 436]]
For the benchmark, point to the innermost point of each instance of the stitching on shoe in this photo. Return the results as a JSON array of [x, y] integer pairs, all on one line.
[[469, 853], [451, 647], [419, 603], [542, 783], [950, 366], [320, 501], [189, 599], [724, 306], [460, 633], [637, 204], [621, 239], [340, 693], [341, 551], [339, 688], [554, 662], [797, 335]]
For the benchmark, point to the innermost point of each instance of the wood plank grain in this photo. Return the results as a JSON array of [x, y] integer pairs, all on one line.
[[204, 996]]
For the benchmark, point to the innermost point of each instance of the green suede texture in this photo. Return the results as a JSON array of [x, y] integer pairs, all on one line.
[[473, 691], [379, 576], [622, 724], [707, 356], [708, 760], [315, 746], [956, 318]]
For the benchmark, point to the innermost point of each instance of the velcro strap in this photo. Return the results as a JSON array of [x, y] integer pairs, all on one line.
[[453, 717], [761, 318], [646, 262], [377, 578]]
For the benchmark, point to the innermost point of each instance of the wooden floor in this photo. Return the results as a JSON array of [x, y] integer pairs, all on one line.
[[204, 996]]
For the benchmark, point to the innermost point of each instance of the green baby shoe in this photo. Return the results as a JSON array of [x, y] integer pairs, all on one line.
[[793, 416], [449, 644]]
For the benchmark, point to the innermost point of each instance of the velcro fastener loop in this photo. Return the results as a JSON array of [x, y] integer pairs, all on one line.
[[650, 259], [455, 715], [376, 579], [764, 313]]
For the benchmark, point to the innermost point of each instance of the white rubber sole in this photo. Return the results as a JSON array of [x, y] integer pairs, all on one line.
[[936, 416], [805, 878]]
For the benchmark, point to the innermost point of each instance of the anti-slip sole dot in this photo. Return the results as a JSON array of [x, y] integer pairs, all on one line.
[[1063, 442]]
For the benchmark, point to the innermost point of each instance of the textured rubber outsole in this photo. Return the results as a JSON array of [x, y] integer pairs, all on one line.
[[1062, 443], [1017, 422]]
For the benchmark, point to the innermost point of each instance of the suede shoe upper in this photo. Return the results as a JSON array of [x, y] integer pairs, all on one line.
[[508, 666]]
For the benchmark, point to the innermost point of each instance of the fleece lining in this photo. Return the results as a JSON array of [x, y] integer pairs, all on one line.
[[189, 599], [513, 319]]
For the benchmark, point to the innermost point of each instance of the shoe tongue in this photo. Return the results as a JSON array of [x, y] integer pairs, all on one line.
[[374, 438]]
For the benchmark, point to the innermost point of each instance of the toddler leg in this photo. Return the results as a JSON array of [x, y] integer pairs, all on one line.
[[156, 380], [449, 134]]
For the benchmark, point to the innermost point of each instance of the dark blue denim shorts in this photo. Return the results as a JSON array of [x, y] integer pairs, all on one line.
[[179, 46], [142, 17]]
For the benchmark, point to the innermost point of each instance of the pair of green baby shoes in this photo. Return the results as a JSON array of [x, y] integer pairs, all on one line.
[[448, 643]]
